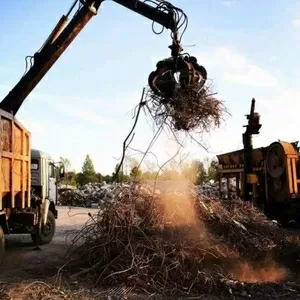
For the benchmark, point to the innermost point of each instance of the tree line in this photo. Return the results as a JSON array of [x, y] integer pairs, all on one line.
[[195, 172]]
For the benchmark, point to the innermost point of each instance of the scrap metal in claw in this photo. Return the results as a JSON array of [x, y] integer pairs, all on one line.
[[163, 82]]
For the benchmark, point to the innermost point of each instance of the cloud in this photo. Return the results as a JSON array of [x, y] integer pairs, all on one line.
[[251, 75], [236, 68], [296, 23]]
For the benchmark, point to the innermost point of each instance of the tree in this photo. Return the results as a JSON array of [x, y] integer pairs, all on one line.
[[66, 163], [195, 172], [107, 178], [135, 173], [99, 177], [202, 174], [118, 177], [88, 166], [70, 178], [70, 175], [88, 173], [212, 172]]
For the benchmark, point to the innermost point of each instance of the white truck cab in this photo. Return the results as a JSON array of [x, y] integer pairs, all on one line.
[[43, 175], [44, 186]]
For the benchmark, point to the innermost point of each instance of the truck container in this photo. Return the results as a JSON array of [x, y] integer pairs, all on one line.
[[15, 177], [25, 208]]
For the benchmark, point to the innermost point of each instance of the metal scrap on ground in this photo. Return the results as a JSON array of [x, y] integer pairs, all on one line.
[[170, 240]]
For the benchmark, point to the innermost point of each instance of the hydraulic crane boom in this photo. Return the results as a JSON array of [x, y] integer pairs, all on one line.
[[63, 35]]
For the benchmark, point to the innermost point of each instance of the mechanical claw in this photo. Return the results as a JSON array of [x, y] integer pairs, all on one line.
[[163, 81]]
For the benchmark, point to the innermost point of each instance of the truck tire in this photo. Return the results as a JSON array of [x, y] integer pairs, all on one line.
[[2, 245], [47, 231]]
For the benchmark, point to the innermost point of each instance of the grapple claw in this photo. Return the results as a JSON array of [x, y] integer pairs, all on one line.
[[163, 80]]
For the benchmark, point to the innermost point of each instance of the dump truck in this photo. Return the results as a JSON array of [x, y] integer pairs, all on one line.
[[28, 183]]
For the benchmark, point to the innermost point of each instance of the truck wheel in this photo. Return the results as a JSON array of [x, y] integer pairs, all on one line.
[[2, 244], [47, 231]]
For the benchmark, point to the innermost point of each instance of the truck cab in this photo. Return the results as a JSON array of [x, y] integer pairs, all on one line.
[[43, 178], [44, 187]]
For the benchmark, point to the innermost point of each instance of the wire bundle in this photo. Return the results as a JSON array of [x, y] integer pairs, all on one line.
[[186, 111]]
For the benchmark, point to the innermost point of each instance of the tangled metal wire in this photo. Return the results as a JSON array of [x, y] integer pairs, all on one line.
[[177, 97], [177, 93], [175, 242], [187, 110]]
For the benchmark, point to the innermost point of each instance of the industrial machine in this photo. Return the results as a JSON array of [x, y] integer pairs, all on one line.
[[267, 176], [27, 184]]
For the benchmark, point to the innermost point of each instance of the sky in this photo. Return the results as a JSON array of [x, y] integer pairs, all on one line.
[[84, 104]]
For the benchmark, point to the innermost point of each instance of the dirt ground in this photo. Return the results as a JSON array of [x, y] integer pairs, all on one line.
[[27, 273], [24, 265]]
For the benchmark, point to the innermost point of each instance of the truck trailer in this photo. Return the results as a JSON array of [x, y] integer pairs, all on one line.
[[28, 185]]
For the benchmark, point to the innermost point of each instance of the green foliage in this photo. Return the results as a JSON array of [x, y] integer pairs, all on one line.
[[202, 174], [120, 177], [70, 175], [88, 173], [88, 166], [195, 172], [70, 178], [135, 173], [107, 178], [212, 172], [99, 177]]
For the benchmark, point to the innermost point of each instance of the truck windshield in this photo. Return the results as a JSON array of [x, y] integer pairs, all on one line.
[[34, 164]]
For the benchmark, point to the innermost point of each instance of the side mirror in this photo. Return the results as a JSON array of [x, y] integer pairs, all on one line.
[[61, 172]]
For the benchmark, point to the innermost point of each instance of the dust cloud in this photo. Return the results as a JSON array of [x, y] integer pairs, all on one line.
[[266, 272], [178, 207]]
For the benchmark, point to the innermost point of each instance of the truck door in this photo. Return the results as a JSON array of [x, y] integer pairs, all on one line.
[[52, 183]]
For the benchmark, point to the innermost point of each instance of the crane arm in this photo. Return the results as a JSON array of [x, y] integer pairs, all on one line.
[[63, 35]]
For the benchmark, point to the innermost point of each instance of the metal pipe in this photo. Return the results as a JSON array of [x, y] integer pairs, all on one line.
[[60, 26]]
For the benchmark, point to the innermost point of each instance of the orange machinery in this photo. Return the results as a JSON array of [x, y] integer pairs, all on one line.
[[277, 167]]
